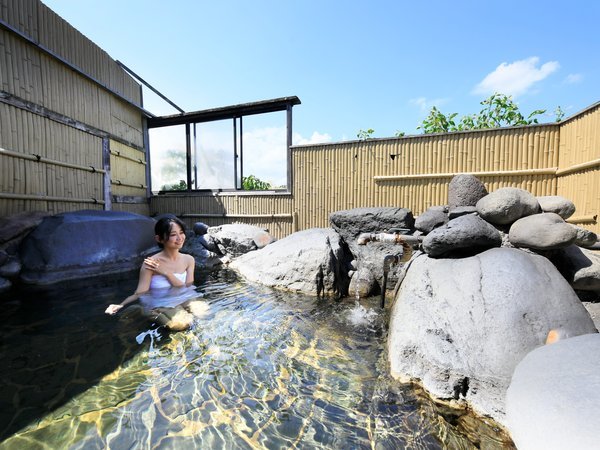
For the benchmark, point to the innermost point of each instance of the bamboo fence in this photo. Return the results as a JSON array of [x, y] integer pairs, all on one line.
[[72, 137], [64, 103]]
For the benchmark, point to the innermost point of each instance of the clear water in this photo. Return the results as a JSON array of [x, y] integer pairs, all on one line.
[[263, 369]]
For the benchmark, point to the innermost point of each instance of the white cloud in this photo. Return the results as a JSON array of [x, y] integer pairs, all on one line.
[[425, 105], [515, 78], [573, 78], [264, 151], [316, 138]]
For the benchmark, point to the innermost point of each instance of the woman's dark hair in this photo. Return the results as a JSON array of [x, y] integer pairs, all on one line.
[[163, 228]]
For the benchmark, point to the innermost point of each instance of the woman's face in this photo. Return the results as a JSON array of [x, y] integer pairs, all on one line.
[[176, 237]]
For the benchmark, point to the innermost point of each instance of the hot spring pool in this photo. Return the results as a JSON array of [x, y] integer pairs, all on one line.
[[263, 369]]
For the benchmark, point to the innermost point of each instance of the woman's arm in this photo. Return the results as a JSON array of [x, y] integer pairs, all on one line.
[[142, 287]]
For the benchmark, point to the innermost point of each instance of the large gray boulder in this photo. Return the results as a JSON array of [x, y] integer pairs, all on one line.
[[196, 246], [15, 227], [585, 238], [461, 326], [238, 238], [562, 206], [350, 224], [547, 231], [465, 190], [579, 266], [505, 205], [353, 222], [465, 233], [85, 243], [311, 261], [553, 401], [433, 217]]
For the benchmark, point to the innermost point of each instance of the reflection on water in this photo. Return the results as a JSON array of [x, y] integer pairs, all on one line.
[[261, 369]]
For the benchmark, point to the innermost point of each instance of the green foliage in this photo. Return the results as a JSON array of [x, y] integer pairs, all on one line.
[[181, 186], [399, 133], [363, 135], [559, 113], [252, 183], [499, 111]]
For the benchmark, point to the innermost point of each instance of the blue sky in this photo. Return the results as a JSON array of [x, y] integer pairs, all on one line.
[[353, 64]]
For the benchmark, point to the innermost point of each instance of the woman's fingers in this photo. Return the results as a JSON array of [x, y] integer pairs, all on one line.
[[112, 309]]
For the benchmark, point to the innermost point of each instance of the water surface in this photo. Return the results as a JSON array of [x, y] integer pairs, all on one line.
[[262, 369]]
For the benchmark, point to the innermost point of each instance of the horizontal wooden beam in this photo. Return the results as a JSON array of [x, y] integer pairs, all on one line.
[[578, 167], [498, 173], [34, 108], [122, 183], [238, 216], [226, 112], [43, 159], [47, 198], [583, 219], [120, 155]]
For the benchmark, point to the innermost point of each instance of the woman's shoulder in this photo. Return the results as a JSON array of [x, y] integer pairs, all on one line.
[[189, 259]]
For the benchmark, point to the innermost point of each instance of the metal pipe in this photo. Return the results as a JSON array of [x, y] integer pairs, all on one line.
[[388, 260]]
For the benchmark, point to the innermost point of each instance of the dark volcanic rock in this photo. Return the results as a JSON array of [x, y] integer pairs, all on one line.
[[85, 243]]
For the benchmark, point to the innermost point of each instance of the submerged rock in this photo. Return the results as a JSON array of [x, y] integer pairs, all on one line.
[[85, 243], [461, 326], [311, 261], [553, 401]]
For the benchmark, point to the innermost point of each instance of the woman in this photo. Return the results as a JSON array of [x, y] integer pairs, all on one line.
[[161, 273]]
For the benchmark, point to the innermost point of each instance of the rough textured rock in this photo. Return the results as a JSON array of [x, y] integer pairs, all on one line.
[[353, 222], [3, 257], [85, 243], [434, 217], [594, 311], [553, 401], [5, 284], [545, 231], [565, 208], [13, 229], [11, 268], [307, 261], [580, 267], [237, 238], [200, 228], [461, 326], [505, 205], [585, 238], [465, 233], [362, 283], [465, 190], [461, 211], [369, 258], [195, 245]]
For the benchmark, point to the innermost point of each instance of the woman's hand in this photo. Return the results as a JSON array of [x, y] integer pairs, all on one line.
[[113, 309], [153, 265]]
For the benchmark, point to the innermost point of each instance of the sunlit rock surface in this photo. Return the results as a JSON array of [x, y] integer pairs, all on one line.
[[461, 326], [238, 238], [553, 401], [306, 261]]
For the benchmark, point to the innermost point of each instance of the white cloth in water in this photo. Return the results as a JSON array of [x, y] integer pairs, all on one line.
[[168, 297], [161, 282]]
